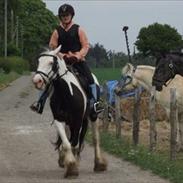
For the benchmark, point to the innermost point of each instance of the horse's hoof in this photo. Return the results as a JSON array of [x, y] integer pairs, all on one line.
[[61, 159], [71, 171], [100, 165], [60, 163]]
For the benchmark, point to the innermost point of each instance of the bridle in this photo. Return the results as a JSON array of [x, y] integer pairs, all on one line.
[[53, 73], [126, 79], [172, 68]]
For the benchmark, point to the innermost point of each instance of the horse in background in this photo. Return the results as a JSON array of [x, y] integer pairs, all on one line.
[[69, 106], [167, 66], [142, 76]]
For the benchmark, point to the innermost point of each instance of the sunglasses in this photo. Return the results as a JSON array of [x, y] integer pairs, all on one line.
[[65, 15]]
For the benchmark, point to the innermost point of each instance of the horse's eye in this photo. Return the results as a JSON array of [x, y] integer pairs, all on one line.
[[171, 66]]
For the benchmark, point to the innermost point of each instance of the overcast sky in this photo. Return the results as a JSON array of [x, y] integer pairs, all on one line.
[[103, 20]]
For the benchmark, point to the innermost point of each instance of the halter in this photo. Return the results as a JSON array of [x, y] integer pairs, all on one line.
[[172, 69]]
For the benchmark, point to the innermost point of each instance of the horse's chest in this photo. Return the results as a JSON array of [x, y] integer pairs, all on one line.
[[66, 99]]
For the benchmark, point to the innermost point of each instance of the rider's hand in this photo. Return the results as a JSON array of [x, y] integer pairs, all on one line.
[[70, 60]]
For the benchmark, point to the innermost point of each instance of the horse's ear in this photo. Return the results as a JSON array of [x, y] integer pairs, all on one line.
[[56, 50], [128, 67]]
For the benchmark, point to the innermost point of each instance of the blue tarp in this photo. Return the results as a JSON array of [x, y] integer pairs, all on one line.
[[111, 84]]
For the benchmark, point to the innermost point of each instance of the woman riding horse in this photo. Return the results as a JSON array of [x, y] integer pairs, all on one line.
[[74, 48]]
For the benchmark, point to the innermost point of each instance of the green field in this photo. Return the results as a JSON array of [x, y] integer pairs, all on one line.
[[105, 74]]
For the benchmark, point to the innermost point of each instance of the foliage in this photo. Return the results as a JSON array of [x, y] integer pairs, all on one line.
[[99, 57], [158, 163], [35, 25], [12, 50], [38, 23], [16, 64], [158, 39], [5, 79]]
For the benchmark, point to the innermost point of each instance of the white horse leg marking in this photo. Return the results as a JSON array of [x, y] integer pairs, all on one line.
[[69, 160], [100, 162]]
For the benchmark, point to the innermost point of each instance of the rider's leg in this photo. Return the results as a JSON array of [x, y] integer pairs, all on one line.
[[39, 105], [83, 68]]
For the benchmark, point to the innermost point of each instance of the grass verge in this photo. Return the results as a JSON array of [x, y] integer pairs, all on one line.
[[5, 79], [157, 163]]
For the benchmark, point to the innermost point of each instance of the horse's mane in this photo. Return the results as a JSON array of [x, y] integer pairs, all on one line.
[[146, 67], [45, 50]]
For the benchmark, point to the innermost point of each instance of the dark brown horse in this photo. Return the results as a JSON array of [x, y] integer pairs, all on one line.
[[167, 67]]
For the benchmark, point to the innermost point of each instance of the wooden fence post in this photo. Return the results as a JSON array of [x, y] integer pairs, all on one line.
[[152, 130], [136, 117], [173, 123], [117, 116], [105, 114]]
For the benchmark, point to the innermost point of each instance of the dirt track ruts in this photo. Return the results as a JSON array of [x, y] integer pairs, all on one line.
[[26, 152]]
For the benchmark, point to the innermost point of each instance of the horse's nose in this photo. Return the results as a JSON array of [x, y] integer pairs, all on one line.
[[37, 81]]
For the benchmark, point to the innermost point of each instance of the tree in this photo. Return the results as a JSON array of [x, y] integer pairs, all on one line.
[[38, 24], [35, 25], [98, 53], [158, 39]]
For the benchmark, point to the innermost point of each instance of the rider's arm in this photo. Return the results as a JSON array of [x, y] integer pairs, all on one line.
[[53, 40], [84, 45], [53, 44]]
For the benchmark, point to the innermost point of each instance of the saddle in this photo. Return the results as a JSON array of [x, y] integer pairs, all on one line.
[[82, 80], [96, 106]]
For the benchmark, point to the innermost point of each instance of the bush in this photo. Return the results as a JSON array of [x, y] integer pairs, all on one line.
[[13, 50], [16, 64]]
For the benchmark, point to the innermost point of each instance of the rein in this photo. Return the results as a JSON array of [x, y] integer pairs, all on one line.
[[54, 69], [50, 78]]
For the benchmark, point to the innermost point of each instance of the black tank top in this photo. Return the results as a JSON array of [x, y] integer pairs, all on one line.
[[69, 40]]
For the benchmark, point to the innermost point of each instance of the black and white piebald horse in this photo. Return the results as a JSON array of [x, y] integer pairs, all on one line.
[[68, 102]]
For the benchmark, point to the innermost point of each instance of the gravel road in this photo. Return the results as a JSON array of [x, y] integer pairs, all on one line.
[[26, 152]]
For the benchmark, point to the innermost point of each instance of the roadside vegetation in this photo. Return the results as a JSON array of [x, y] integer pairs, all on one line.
[[158, 163], [11, 68]]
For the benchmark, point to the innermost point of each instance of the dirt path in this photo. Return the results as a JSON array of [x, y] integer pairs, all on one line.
[[27, 156]]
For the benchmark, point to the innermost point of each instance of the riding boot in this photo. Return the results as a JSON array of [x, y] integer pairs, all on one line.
[[94, 104], [39, 105]]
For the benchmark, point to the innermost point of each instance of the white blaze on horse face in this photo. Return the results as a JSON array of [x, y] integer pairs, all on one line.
[[45, 66]]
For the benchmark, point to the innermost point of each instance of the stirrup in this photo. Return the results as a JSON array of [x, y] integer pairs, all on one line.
[[97, 108], [36, 107]]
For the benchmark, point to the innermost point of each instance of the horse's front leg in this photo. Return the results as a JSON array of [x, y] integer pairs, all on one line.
[[70, 163], [100, 161]]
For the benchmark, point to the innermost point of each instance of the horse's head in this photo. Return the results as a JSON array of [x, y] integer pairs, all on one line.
[[127, 81], [165, 70], [48, 68]]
